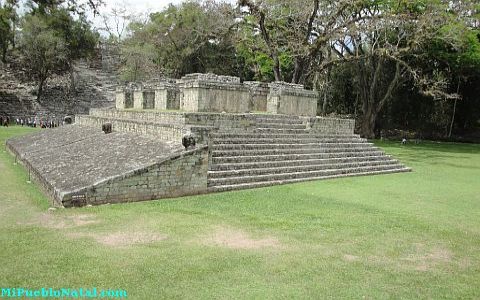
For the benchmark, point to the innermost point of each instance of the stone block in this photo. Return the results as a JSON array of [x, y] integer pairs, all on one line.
[[212, 93], [258, 95], [291, 99]]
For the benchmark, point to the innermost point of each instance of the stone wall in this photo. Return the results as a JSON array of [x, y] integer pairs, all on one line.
[[179, 175], [167, 96], [172, 118], [34, 174], [224, 122], [169, 127], [211, 93], [258, 95], [291, 99], [163, 132], [330, 125], [202, 123]]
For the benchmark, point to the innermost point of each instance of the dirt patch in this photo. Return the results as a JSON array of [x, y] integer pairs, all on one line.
[[59, 222], [126, 239], [350, 258], [122, 239], [424, 260], [52, 221], [421, 258], [236, 239]]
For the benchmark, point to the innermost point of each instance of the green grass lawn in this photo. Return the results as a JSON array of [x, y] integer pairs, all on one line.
[[410, 235]]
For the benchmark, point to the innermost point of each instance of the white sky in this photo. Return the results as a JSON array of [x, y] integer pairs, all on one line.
[[136, 7], [133, 7]]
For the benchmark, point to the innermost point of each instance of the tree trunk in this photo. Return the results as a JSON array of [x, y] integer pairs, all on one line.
[[454, 110], [276, 68], [299, 68], [367, 128], [72, 81], [324, 104], [40, 89], [4, 55], [453, 118]]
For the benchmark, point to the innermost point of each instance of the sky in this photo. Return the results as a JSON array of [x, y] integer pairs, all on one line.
[[132, 6], [137, 7]]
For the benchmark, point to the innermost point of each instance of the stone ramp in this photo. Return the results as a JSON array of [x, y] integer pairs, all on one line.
[[74, 158]]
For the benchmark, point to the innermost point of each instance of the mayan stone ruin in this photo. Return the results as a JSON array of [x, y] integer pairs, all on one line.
[[246, 135]]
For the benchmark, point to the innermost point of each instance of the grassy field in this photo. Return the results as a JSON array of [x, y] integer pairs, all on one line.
[[412, 235]]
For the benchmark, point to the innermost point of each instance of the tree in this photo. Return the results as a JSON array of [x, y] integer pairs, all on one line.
[[52, 40], [456, 52], [44, 52], [191, 37], [115, 23], [302, 29], [7, 28], [74, 6], [138, 61], [390, 47]]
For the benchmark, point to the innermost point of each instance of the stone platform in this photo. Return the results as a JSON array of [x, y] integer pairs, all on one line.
[[143, 158]]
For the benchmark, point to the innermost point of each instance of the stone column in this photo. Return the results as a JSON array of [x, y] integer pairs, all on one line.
[[123, 97], [138, 97], [120, 98], [167, 96]]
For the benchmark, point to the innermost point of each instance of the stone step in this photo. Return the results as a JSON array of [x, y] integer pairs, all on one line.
[[281, 126], [315, 149], [298, 168], [280, 121], [267, 116], [300, 175], [230, 187], [222, 147], [290, 157], [262, 135], [291, 163], [259, 141], [281, 130]]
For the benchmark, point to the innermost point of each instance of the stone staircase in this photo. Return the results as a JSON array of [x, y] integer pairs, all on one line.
[[282, 150], [95, 87]]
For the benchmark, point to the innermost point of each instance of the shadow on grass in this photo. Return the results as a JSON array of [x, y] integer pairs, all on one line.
[[432, 146], [432, 153]]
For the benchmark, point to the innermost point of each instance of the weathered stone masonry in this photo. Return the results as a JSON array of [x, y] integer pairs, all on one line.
[[180, 175], [212, 93], [143, 159]]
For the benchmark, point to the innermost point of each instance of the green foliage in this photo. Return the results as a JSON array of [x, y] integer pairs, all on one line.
[[458, 46], [7, 19], [138, 61], [51, 39], [78, 35], [44, 51], [188, 38]]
